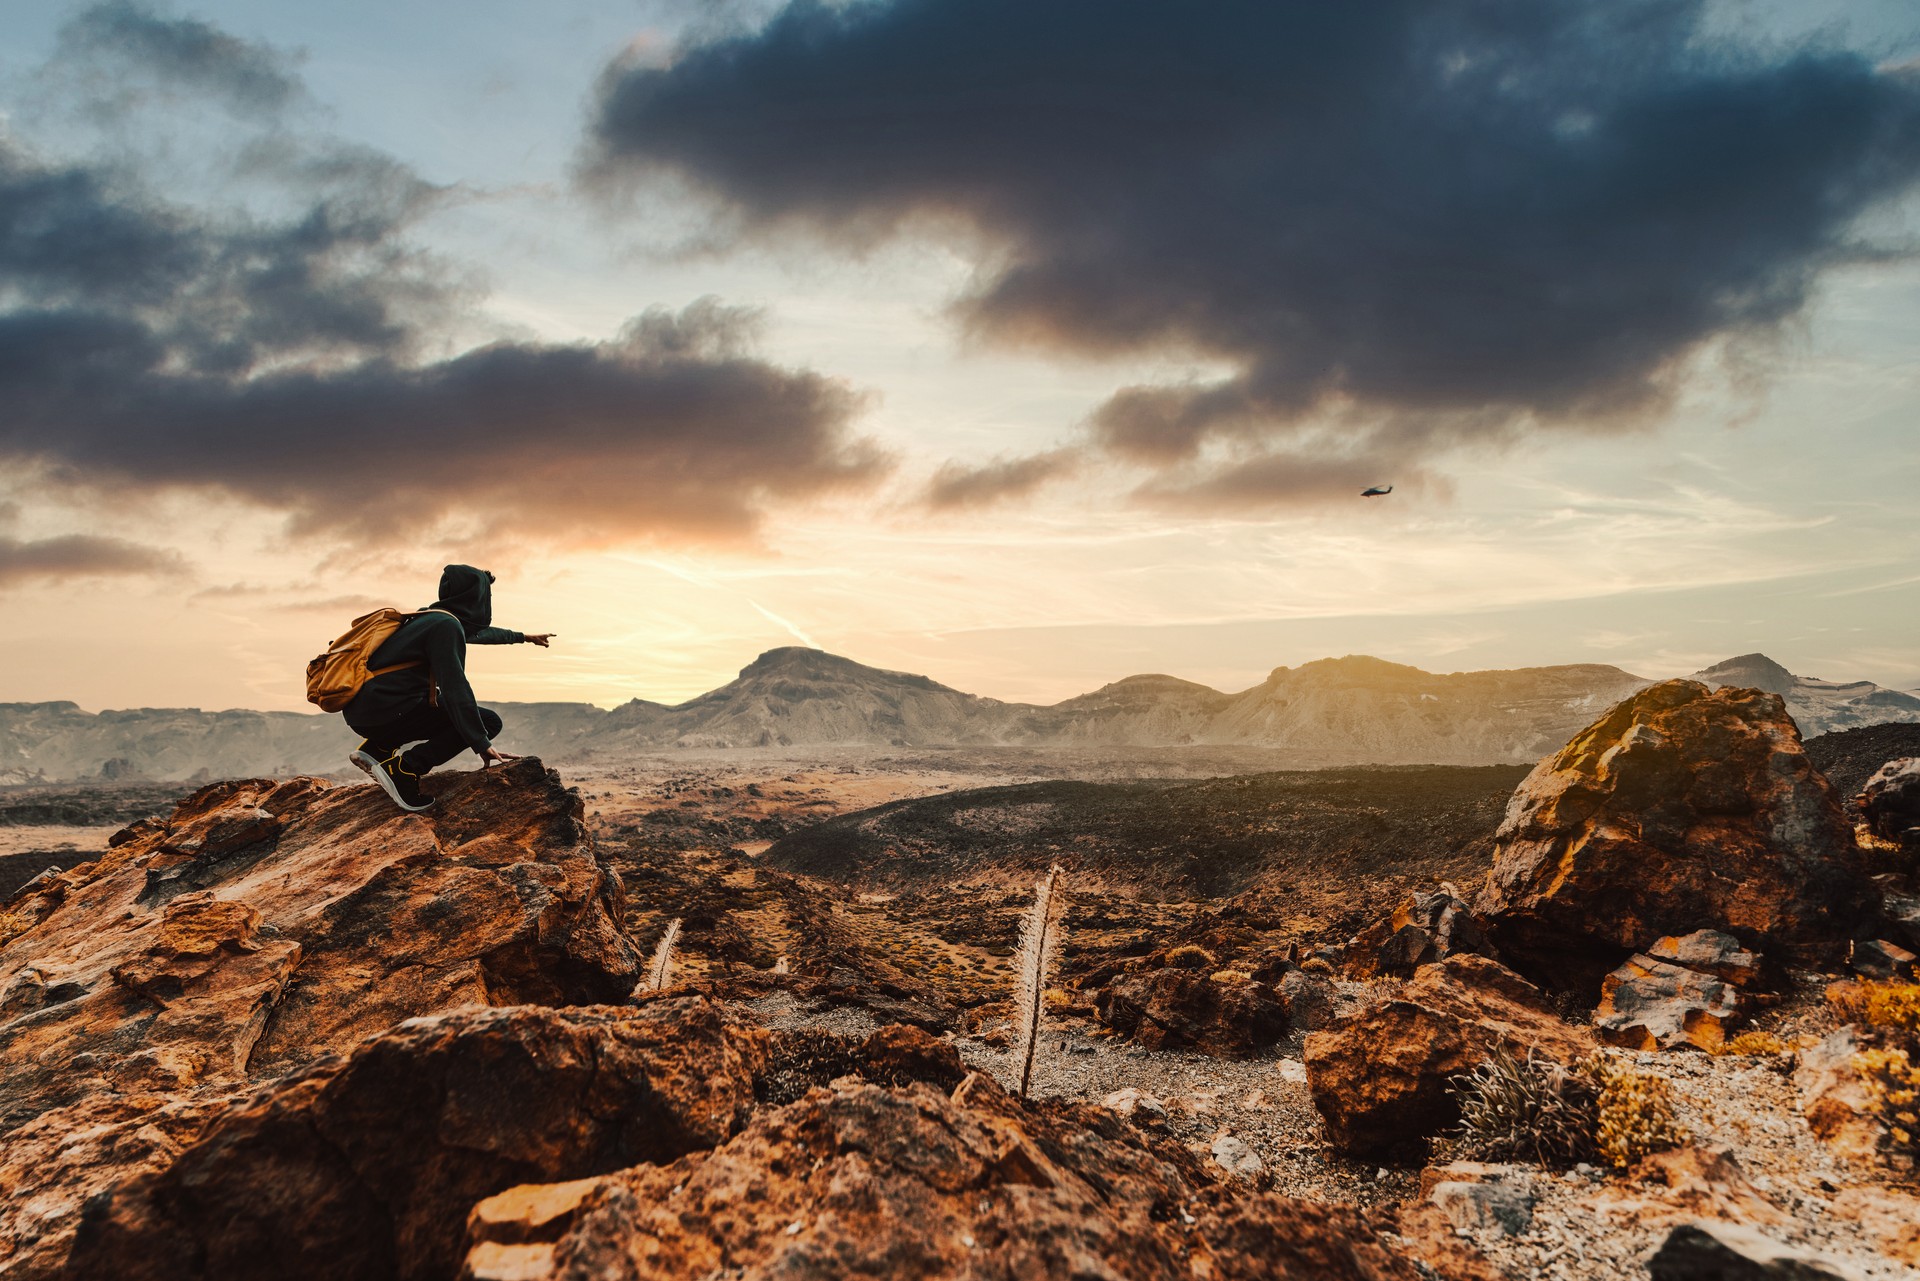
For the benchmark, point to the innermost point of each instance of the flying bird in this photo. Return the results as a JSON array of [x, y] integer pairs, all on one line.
[[1376, 491]]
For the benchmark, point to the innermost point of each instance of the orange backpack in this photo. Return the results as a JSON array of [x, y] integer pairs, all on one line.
[[333, 678]]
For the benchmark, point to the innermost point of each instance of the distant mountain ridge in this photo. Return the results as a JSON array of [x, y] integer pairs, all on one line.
[[1336, 711], [1818, 706]]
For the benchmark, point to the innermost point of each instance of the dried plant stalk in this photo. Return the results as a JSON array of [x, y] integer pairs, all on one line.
[[662, 968], [1039, 946]]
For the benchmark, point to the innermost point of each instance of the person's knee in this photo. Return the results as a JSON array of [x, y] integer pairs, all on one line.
[[491, 719]]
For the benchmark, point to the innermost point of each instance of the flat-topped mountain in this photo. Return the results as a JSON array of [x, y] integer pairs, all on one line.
[[1336, 711], [1818, 706], [795, 696], [1367, 709]]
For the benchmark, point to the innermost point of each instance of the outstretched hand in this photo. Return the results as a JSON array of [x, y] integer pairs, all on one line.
[[539, 638], [494, 754]]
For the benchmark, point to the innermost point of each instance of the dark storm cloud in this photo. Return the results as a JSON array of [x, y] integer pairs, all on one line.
[[79, 556], [146, 344], [112, 38], [1435, 220]]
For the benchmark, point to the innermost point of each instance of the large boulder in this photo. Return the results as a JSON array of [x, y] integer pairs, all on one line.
[[1173, 1008], [364, 1169], [1683, 808], [1382, 1079], [1891, 800], [864, 1181], [266, 924]]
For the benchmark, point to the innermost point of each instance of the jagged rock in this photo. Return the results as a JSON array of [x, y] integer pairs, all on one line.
[[1702, 1182], [1710, 952], [365, 1168], [268, 923], [1424, 929], [1833, 1098], [1681, 808], [898, 1054], [863, 1181], [54, 1164], [1891, 799], [1902, 913], [1308, 999], [1381, 1079], [1232, 1154], [1726, 1252], [1498, 1206], [1180, 1009], [1653, 1005], [1879, 959], [1136, 1105]]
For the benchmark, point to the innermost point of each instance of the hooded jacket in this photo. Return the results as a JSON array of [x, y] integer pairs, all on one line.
[[439, 642]]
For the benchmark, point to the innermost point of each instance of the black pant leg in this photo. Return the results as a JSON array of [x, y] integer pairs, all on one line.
[[409, 727], [445, 742]]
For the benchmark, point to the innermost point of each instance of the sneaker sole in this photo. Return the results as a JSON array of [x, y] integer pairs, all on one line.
[[386, 785], [363, 762]]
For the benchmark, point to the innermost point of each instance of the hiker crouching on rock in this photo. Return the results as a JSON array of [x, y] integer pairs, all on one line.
[[424, 698]]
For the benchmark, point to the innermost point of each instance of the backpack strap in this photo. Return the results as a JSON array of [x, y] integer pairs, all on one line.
[[433, 688]]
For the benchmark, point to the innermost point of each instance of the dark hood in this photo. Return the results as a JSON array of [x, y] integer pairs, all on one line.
[[467, 594]]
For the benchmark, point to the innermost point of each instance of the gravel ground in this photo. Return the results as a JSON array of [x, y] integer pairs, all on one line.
[[1586, 1225], [1262, 1101]]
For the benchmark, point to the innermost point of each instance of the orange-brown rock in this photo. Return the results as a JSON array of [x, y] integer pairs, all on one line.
[[1656, 1005], [1174, 1008], [1381, 1078], [268, 923], [1424, 929], [366, 1168], [1834, 1097], [864, 1181], [1682, 808]]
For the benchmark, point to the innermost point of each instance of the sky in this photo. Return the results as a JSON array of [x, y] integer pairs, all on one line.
[[1024, 345]]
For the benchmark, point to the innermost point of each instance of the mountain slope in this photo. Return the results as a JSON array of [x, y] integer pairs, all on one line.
[[1818, 706], [794, 697], [1368, 709]]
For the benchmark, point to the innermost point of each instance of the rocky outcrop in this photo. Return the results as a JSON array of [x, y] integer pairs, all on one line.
[[1891, 800], [268, 923], [1175, 1008], [1381, 1079], [864, 1181], [1683, 990], [366, 1167], [1424, 929], [1682, 808]]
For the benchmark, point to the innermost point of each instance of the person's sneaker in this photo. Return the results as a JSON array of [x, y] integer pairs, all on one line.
[[402, 784], [363, 760]]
